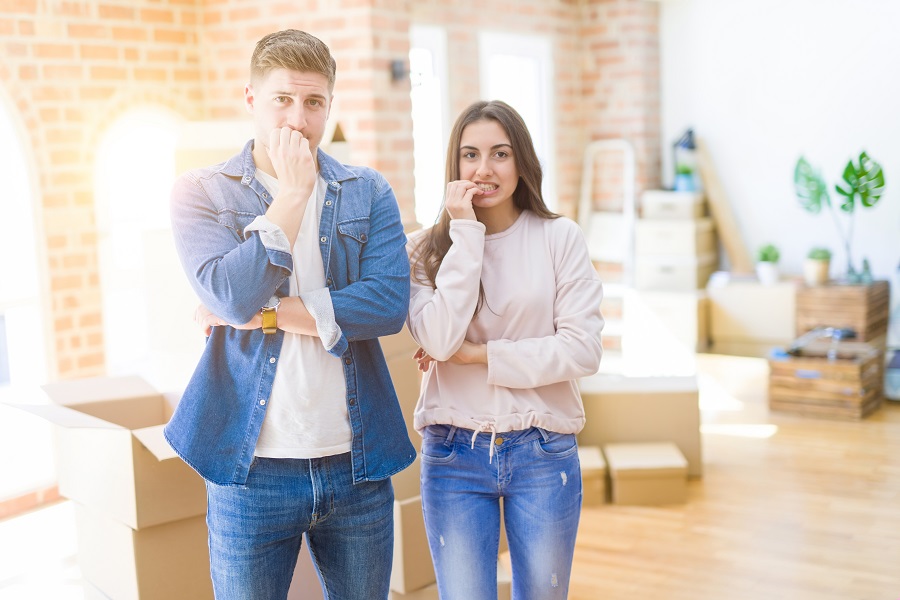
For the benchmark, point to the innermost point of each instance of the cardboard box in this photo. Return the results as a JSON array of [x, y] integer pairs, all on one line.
[[749, 317], [111, 453], [665, 204], [683, 237], [593, 476], [674, 273], [412, 568], [163, 562], [398, 351], [643, 409], [647, 474]]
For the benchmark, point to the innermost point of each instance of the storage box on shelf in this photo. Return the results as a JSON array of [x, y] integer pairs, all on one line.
[[647, 474], [673, 272], [828, 379], [665, 204], [675, 246], [862, 308], [684, 237]]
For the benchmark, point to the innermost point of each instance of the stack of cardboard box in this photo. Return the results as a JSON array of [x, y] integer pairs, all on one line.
[[675, 253], [140, 510]]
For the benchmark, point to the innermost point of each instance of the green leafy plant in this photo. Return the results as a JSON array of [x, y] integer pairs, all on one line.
[[862, 181], [768, 253], [819, 254]]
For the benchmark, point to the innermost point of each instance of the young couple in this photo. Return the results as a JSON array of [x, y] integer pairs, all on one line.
[[301, 263]]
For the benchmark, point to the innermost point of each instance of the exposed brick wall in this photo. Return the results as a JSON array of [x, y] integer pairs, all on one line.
[[620, 41], [364, 36], [71, 67]]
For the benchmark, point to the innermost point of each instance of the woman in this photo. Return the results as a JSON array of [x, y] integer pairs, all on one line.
[[505, 306]]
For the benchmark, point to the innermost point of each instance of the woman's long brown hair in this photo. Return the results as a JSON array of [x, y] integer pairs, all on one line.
[[527, 196]]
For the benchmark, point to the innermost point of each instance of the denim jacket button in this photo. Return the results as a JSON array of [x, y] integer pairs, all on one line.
[[352, 401], [328, 282], [328, 203], [348, 360], [262, 402], [272, 360], [323, 239]]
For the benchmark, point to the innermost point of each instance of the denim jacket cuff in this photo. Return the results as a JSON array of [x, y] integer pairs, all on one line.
[[318, 303], [270, 234]]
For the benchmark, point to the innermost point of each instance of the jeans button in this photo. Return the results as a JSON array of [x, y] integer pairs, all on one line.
[[498, 441]]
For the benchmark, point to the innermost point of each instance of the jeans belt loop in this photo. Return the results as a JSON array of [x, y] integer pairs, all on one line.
[[450, 435], [544, 434]]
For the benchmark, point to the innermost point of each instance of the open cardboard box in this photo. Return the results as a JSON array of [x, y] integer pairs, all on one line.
[[164, 562], [111, 453]]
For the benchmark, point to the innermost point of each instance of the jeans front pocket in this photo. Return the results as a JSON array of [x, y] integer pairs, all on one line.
[[435, 448], [556, 445]]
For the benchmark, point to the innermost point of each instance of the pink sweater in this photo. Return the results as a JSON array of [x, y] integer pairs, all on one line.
[[541, 323]]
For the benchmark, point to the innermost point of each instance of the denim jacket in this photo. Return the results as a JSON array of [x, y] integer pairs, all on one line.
[[216, 424]]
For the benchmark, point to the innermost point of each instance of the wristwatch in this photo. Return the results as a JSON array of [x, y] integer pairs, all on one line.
[[269, 314]]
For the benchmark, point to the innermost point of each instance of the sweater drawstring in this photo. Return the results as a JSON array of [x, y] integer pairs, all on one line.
[[484, 427]]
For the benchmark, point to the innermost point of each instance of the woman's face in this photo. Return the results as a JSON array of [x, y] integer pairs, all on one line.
[[486, 159]]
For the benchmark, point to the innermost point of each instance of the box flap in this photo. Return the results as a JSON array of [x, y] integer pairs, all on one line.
[[66, 417], [153, 440], [97, 389]]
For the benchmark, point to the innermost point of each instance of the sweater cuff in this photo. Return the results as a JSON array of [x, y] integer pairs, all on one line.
[[270, 234], [318, 303]]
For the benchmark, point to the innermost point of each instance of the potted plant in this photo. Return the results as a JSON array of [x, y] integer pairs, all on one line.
[[817, 266], [767, 264], [863, 180]]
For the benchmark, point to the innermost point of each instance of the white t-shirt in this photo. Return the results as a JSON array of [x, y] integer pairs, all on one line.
[[307, 413]]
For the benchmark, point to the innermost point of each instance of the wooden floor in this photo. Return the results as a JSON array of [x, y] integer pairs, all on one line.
[[788, 508]]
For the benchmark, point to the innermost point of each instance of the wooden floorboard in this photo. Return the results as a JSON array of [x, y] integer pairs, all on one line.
[[788, 507]]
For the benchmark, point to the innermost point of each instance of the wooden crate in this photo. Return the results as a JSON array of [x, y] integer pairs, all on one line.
[[848, 386], [863, 308]]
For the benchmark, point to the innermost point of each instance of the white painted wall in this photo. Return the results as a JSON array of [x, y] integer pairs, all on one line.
[[765, 81]]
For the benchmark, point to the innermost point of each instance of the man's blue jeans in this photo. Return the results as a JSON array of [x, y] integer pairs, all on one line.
[[537, 474], [255, 530]]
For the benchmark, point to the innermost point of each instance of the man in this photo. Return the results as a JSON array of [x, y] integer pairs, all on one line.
[[290, 416]]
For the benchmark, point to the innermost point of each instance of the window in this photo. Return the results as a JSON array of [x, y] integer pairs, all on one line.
[[22, 339], [141, 280], [518, 69], [428, 74]]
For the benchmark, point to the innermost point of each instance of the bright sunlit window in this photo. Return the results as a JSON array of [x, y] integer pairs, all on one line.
[[518, 69], [22, 348], [428, 72], [134, 174]]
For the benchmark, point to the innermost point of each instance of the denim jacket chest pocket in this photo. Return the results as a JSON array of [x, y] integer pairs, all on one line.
[[354, 233], [236, 220]]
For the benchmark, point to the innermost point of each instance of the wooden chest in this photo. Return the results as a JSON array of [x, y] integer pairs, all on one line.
[[863, 308], [829, 379]]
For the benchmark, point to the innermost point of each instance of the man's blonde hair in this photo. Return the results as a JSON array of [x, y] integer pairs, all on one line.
[[294, 50]]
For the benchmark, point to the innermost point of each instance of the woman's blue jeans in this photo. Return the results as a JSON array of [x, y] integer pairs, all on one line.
[[255, 530], [537, 474]]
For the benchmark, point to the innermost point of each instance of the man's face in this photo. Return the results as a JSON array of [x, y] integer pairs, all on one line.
[[296, 99]]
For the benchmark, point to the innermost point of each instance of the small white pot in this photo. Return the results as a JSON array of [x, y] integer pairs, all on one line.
[[815, 271], [767, 272]]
